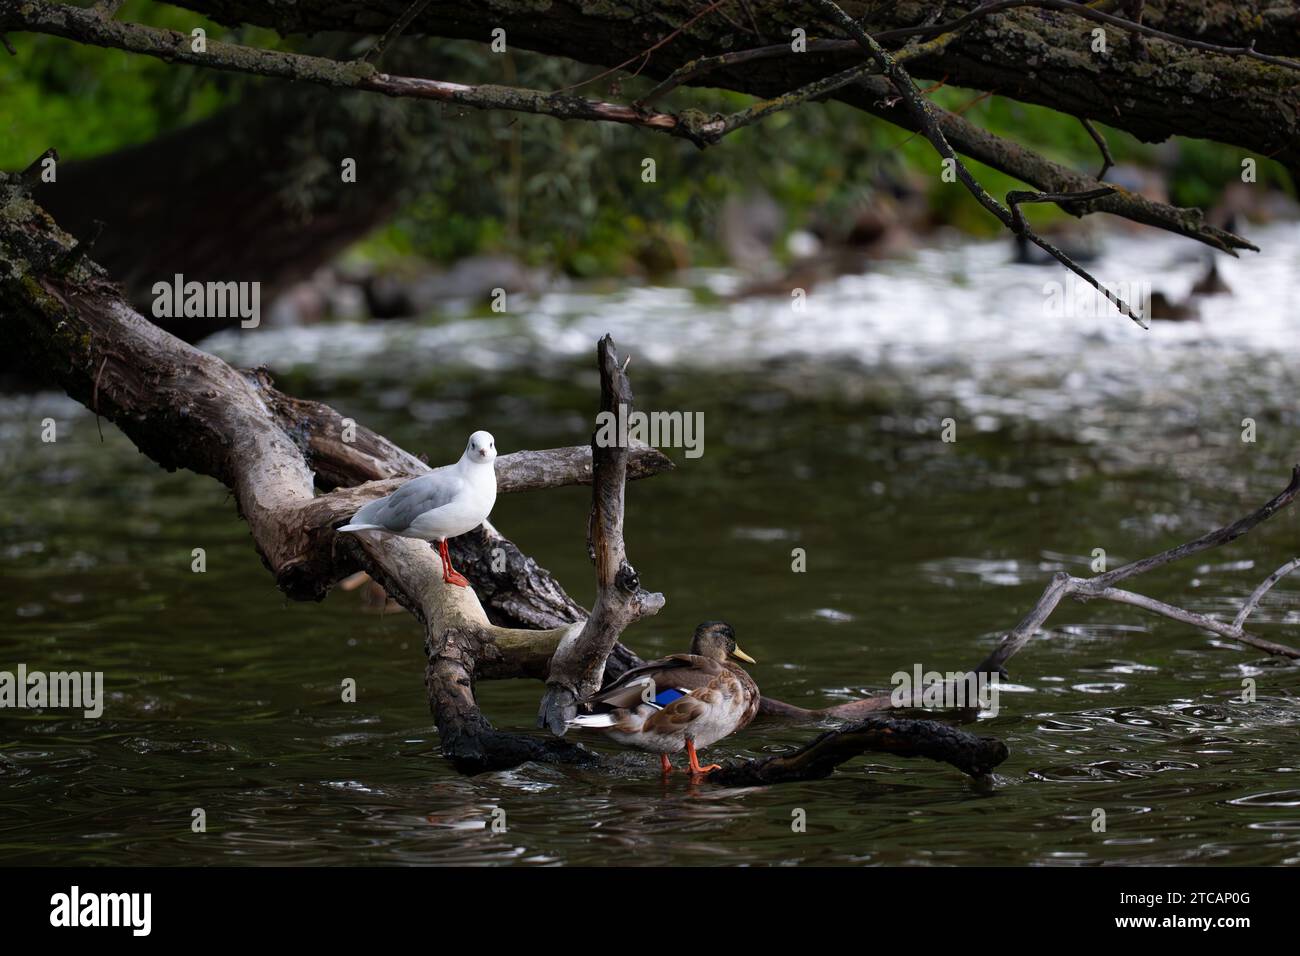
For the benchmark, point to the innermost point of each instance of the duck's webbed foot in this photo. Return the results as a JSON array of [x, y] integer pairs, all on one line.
[[695, 767]]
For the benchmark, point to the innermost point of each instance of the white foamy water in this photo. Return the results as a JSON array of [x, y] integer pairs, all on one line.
[[960, 321]]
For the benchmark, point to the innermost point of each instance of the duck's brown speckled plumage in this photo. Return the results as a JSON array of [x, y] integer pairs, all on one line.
[[721, 699]]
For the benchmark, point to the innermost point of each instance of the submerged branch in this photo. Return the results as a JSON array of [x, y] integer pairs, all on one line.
[[1100, 588], [899, 736]]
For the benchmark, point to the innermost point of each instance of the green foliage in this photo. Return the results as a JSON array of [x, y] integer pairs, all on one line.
[[84, 100]]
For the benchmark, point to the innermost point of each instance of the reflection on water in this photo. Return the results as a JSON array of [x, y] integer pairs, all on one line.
[[1074, 433]]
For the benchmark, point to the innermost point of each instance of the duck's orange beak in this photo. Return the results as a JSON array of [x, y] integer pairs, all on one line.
[[743, 656]]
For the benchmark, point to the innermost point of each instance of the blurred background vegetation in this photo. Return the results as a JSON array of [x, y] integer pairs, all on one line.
[[568, 195]]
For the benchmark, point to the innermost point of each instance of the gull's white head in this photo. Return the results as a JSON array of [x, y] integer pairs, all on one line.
[[482, 449]]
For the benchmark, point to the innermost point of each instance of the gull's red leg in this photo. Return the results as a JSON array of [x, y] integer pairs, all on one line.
[[663, 762], [450, 574]]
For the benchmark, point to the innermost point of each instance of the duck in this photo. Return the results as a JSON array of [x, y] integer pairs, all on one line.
[[447, 502], [685, 701]]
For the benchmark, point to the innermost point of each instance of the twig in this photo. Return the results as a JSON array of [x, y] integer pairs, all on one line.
[[94, 398], [753, 21], [1024, 164], [4, 41], [1258, 594], [393, 32], [1107, 161], [1189, 617], [1100, 587], [1018, 196], [1206, 541], [715, 128], [693, 69], [721, 126], [644, 55], [33, 172], [64, 263]]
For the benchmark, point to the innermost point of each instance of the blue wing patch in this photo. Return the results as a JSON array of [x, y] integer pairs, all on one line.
[[666, 697]]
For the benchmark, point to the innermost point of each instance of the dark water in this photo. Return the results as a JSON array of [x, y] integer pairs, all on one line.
[[821, 434]]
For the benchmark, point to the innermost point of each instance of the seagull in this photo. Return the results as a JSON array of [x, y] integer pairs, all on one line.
[[447, 502]]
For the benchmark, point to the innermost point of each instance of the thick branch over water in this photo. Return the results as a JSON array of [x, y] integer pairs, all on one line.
[[784, 79], [188, 409], [1154, 88]]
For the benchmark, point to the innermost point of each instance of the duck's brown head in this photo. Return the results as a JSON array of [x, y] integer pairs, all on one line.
[[717, 641]]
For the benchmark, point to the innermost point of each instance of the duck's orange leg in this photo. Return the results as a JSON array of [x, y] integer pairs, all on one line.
[[663, 762], [695, 760]]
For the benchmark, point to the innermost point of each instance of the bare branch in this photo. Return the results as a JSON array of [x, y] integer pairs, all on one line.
[[1024, 164], [1107, 161], [694, 69], [921, 112], [1258, 594], [1100, 586], [85, 26], [1016, 197], [1208, 540], [701, 129], [1099, 16], [376, 52], [1186, 617], [578, 667]]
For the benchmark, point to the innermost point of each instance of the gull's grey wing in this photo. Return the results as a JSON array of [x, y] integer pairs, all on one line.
[[398, 510]]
